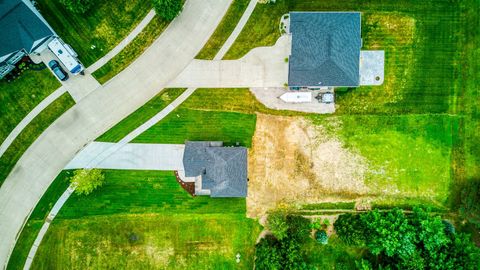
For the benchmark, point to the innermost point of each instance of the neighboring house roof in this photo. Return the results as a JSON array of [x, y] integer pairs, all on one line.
[[223, 169], [325, 49], [20, 28]]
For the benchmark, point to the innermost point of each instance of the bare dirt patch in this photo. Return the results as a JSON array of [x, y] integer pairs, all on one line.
[[294, 161]]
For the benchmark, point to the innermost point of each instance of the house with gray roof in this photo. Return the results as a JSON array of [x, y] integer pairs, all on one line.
[[23, 31], [325, 49], [220, 171]]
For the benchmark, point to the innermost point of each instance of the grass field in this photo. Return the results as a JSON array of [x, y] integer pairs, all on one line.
[[133, 50], [95, 33], [36, 219], [141, 115], [19, 97], [200, 125], [31, 132], [224, 29], [144, 219]]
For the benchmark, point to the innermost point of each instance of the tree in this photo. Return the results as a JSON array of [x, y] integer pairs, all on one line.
[[277, 224], [77, 6], [389, 233], [430, 231], [350, 229], [87, 180], [267, 254], [298, 228], [167, 9]]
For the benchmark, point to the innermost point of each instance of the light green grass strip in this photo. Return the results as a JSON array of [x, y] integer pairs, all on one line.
[[141, 115], [31, 133], [133, 50], [224, 29]]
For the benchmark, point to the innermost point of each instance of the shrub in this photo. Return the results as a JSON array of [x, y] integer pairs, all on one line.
[[167, 9], [277, 224], [268, 254], [87, 180], [298, 228], [350, 229], [321, 237], [77, 6]]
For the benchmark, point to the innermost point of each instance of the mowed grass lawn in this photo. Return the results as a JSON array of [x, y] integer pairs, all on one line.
[[100, 29], [144, 219], [224, 29], [141, 42], [19, 97], [141, 115], [31, 132]]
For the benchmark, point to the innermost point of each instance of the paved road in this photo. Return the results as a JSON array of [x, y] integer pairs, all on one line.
[[99, 111], [261, 67], [132, 156]]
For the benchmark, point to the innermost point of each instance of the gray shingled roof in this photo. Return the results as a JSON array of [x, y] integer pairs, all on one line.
[[325, 49], [223, 169], [19, 27]]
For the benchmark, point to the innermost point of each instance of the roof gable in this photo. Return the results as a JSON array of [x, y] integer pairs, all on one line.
[[223, 169], [20, 27], [325, 49]]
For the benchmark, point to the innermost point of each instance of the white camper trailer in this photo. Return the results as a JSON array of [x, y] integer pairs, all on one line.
[[66, 55]]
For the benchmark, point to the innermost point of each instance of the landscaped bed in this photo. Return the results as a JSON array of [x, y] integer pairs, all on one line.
[[94, 34], [150, 217]]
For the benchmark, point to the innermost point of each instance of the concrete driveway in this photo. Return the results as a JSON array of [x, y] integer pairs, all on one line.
[[101, 110], [261, 67], [132, 156]]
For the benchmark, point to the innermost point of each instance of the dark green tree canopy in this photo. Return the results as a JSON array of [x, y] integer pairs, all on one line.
[[167, 9]]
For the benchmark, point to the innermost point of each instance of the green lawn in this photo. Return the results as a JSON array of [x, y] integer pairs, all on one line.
[[141, 115], [145, 219], [104, 26], [408, 155], [19, 97], [36, 219], [149, 34], [201, 125], [224, 29], [31, 132]]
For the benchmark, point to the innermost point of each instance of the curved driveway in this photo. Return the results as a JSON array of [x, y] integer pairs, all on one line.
[[100, 110]]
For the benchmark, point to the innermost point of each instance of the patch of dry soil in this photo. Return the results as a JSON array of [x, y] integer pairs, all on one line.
[[294, 161]]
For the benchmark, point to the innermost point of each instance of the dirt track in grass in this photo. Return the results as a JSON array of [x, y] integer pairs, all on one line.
[[292, 160]]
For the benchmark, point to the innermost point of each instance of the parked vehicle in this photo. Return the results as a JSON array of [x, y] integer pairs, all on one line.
[[66, 55], [57, 70]]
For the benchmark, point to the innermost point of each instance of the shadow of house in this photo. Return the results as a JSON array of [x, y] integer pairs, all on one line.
[[23, 31], [220, 171]]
